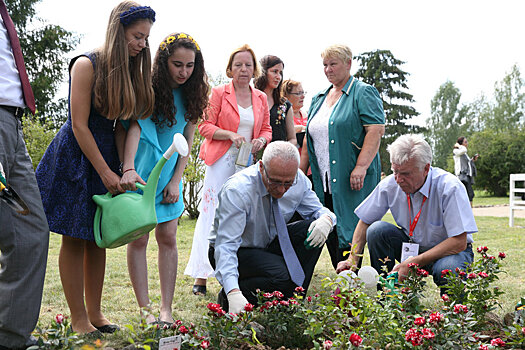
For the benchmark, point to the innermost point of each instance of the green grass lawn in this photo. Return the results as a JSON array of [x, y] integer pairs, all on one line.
[[483, 198], [120, 306]]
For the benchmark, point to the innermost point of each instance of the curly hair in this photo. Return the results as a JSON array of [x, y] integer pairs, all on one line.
[[194, 90], [260, 83]]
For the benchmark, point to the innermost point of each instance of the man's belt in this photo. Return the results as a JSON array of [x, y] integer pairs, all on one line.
[[18, 112]]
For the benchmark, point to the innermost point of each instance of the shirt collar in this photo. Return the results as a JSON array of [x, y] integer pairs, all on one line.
[[425, 189], [346, 88]]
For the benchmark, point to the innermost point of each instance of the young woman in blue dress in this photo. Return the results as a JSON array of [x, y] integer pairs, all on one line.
[[181, 95], [111, 83]]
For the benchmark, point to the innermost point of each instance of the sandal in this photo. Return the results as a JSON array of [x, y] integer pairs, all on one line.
[[199, 290]]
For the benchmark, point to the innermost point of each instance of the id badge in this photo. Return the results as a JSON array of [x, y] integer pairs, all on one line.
[[408, 250]]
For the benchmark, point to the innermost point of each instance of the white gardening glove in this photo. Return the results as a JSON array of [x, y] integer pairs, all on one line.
[[236, 302], [318, 232]]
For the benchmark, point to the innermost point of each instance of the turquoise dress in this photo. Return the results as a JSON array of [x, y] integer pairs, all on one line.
[[154, 141]]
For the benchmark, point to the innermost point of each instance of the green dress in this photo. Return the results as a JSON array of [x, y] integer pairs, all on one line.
[[360, 105]]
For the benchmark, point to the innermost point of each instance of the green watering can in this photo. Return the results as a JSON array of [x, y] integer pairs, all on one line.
[[124, 218]]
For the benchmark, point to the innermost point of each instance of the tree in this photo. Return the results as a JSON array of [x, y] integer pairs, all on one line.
[[44, 49], [381, 69], [446, 122], [509, 103]]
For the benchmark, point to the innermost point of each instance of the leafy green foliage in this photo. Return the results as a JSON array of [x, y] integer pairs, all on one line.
[[38, 135], [44, 48], [193, 178], [381, 69], [501, 154]]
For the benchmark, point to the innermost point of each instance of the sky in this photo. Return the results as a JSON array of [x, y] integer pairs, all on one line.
[[471, 43]]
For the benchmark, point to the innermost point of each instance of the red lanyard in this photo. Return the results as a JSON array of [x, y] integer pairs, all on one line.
[[412, 224]]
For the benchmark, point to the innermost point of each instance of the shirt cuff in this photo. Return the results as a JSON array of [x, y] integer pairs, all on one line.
[[230, 283]]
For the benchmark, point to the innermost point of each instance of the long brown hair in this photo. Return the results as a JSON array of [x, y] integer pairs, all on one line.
[[122, 88], [194, 90], [261, 82]]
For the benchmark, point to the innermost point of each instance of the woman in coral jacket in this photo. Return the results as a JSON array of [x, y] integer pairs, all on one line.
[[237, 113]]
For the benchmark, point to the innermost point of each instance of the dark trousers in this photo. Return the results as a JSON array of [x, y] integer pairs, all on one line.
[[265, 268], [332, 242], [23, 241]]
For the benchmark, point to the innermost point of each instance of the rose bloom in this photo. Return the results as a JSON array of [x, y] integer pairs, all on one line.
[[278, 294], [327, 344], [309, 298], [444, 272], [214, 307], [59, 318], [471, 276], [405, 290], [419, 321], [412, 265], [445, 297], [183, 329], [178, 322], [502, 255], [248, 307], [427, 333], [300, 290], [483, 274], [355, 339], [483, 347], [268, 295], [462, 274], [422, 273], [284, 302], [205, 344], [413, 336], [436, 317], [497, 342], [458, 308], [523, 331], [482, 249]]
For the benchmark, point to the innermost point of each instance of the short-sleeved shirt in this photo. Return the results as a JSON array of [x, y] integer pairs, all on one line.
[[360, 105], [446, 212]]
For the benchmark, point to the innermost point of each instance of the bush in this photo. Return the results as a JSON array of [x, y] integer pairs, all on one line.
[[501, 154], [193, 178], [37, 136]]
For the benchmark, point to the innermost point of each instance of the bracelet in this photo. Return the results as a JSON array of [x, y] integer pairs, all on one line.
[[125, 171]]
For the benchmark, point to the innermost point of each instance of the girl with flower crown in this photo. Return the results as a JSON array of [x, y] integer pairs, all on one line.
[[281, 113], [111, 83], [181, 95]]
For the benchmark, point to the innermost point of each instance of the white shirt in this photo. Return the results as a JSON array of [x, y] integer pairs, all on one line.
[[10, 86]]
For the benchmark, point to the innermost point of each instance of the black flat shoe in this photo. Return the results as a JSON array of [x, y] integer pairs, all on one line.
[[93, 335], [108, 328], [199, 290]]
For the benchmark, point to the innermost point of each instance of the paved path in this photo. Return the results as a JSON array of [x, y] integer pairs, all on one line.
[[498, 210]]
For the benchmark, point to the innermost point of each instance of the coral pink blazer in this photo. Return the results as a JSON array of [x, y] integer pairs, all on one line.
[[224, 114]]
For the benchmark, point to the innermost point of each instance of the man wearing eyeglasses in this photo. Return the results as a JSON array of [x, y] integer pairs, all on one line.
[[251, 247]]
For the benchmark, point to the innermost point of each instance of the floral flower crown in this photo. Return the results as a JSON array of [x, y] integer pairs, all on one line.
[[137, 12], [164, 45]]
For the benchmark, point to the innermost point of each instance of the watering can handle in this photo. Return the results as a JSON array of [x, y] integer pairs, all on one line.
[[140, 186], [179, 145]]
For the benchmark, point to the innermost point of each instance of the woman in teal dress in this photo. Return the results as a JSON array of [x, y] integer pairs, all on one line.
[[345, 125], [180, 85]]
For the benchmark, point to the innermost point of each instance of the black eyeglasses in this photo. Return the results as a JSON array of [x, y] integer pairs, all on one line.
[[298, 93], [275, 184]]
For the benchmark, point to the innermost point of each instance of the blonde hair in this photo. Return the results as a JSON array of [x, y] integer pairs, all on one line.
[[244, 48], [341, 52], [288, 86], [122, 88]]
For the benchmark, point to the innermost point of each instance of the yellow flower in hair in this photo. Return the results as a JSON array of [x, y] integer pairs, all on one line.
[[170, 39], [196, 45], [181, 36], [163, 46]]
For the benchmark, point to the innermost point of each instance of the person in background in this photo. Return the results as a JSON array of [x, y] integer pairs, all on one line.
[[345, 125], [237, 114], [251, 245], [431, 208], [181, 95], [24, 239], [293, 91], [109, 84], [464, 166], [281, 113]]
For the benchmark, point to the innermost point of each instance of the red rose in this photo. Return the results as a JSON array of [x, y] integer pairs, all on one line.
[[497, 342], [355, 339], [444, 272], [327, 344], [248, 307], [183, 329], [300, 290], [502, 255], [59, 318], [427, 333], [436, 317], [420, 321], [205, 344]]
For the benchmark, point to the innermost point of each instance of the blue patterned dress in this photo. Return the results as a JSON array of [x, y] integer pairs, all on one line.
[[66, 178]]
